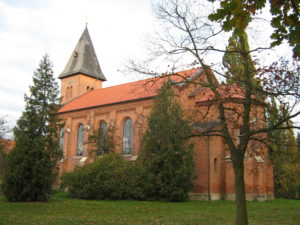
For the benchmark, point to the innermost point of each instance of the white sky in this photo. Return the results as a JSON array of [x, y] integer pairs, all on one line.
[[31, 28]]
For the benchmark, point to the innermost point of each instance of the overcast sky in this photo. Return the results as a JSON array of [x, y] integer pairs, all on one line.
[[118, 28], [31, 28]]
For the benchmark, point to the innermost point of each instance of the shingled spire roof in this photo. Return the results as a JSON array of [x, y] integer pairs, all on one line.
[[83, 59]]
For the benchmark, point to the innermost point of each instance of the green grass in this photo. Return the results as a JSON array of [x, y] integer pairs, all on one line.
[[65, 210]]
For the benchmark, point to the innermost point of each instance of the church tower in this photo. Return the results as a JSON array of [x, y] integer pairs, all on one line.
[[82, 72]]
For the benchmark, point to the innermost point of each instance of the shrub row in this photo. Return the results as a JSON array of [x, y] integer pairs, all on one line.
[[108, 178]]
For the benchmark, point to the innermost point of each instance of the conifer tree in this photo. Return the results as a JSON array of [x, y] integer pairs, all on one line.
[[166, 156], [285, 157], [233, 62], [31, 166], [233, 59], [298, 141]]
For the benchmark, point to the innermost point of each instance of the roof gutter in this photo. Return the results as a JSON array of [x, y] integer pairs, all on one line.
[[110, 104]]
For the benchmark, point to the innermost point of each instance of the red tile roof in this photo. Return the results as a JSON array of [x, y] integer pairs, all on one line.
[[123, 93]]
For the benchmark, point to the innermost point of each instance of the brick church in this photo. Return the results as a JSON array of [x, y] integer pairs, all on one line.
[[86, 106]]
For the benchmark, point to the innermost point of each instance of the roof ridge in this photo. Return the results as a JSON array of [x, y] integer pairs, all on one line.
[[199, 70], [128, 83], [130, 91]]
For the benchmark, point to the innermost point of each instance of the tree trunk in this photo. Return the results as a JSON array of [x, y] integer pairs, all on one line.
[[240, 195]]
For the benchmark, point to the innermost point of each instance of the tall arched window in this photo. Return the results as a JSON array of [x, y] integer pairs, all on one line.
[[127, 137], [61, 138], [102, 137], [80, 139]]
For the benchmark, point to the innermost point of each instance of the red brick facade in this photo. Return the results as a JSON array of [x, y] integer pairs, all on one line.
[[89, 104]]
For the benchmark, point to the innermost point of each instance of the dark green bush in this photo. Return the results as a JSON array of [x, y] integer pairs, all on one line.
[[30, 169], [166, 156], [29, 174], [109, 177]]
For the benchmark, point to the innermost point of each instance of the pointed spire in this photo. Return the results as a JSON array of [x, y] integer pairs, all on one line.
[[84, 59]]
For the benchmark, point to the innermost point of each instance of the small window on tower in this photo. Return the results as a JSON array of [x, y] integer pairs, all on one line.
[[67, 93], [71, 91], [215, 164], [88, 88]]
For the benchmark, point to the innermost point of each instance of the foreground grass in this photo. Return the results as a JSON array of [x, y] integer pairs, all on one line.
[[64, 210]]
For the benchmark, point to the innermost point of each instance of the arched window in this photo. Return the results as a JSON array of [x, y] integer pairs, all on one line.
[[67, 93], [80, 139], [71, 91], [215, 165], [61, 138], [102, 137], [127, 137]]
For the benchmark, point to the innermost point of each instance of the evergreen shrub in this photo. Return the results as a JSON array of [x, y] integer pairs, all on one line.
[[166, 155], [108, 178], [31, 167]]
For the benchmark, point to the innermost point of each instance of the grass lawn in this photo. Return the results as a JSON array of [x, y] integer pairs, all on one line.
[[64, 210]]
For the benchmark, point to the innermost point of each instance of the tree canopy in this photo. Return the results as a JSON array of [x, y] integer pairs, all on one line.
[[284, 155], [166, 156], [189, 33], [285, 18], [31, 166]]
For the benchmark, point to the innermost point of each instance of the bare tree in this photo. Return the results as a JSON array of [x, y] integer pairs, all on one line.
[[186, 39]]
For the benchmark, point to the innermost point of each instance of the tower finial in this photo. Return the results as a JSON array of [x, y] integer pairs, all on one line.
[[86, 20]]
